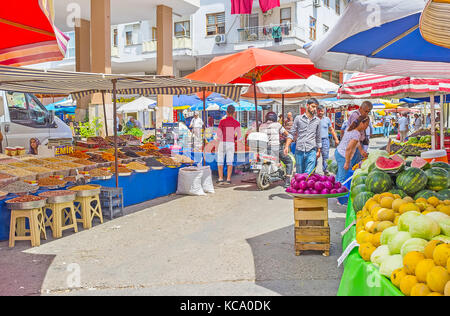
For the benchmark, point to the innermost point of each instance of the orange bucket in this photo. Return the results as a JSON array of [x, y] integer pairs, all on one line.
[[435, 156]]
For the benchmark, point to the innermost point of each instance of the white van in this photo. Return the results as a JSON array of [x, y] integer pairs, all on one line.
[[22, 116]]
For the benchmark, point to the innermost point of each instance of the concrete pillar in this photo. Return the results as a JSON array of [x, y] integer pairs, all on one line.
[[164, 25], [83, 61], [101, 52]]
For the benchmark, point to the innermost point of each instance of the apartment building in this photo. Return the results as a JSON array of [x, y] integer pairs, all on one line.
[[212, 31]]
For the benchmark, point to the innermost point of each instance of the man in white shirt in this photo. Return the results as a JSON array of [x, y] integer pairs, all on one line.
[[197, 125], [403, 127]]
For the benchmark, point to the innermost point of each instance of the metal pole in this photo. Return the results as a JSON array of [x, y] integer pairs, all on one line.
[[282, 109], [433, 124], [256, 104], [203, 130], [116, 155], [441, 123], [104, 113]]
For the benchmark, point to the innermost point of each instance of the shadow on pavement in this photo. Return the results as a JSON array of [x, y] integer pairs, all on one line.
[[279, 270]]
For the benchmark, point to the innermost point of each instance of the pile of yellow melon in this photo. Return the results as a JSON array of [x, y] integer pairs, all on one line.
[[426, 273]]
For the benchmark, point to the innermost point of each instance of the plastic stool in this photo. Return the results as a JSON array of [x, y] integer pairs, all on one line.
[[61, 213], [18, 232], [88, 208]]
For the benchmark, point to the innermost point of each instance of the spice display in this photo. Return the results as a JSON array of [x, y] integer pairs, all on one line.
[[165, 151], [136, 166], [133, 154], [99, 172], [84, 162], [120, 154], [142, 154], [37, 169], [84, 188], [50, 182], [132, 148], [52, 160], [56, 193], [79, 154], [152, 162], [108, 157], [4, 176], [19, 164], [150, 146], [123, 170], [100, 141], [167, 161], [19, 187], [26, 198], [182, 159], [7, 161], [154, 153], [69, 164], [17, 172]]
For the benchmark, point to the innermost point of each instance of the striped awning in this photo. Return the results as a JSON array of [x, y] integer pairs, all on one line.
[[83, 84]]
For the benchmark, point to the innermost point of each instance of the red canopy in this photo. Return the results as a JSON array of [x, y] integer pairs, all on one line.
[[28, 33], [261, 64]]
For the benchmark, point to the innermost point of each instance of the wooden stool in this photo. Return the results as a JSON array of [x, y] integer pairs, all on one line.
[[88, 208], [311, 225], [18, 231], [61, 214]]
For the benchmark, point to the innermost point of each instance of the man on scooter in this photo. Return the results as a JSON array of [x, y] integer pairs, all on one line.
[[273, 129]]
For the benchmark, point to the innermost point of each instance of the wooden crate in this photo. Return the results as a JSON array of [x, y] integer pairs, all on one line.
[[312, 231], [312, 238]]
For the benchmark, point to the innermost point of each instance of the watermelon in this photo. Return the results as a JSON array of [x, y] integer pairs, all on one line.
[[372, 167], [399, 192], [445, 193], [387, 164], [360, 200], [358, 189], [426, 194], [412, 180], [420, 163], [378, 182], [441, 164], [398, 158], [360, 180], [437, 179]]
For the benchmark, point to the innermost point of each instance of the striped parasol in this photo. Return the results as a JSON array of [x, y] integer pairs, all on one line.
[[28, 33]]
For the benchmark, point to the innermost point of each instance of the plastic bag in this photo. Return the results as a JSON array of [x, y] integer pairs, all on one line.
[[207, 182], [190, 182], [398, 136]]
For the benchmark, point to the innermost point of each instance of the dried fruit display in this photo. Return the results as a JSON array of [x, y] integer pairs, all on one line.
[[26, 198]]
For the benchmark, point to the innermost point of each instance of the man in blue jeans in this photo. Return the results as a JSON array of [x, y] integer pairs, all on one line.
[[309, 141], [325, 129]]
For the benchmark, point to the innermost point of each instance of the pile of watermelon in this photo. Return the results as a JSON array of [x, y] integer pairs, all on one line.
[[416, 178]]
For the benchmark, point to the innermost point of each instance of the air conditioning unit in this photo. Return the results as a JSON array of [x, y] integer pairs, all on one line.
[[221, 39], [317, 3]]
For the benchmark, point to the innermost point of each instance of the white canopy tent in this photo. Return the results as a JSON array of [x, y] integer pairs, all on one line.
[[139, 105]]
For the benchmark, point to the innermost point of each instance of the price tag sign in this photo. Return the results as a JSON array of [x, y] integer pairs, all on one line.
[[348, 228], [347, 251]]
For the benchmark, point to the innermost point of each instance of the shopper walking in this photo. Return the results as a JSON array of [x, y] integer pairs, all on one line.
[[364, 110], [326, 128], [197, 125], [386, 126], [309, 142], [403, 127], [228, 132], [417, 122], [289, 121], [348, 147]]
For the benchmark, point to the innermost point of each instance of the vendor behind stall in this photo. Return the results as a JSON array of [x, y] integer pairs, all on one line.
[[133, 123]]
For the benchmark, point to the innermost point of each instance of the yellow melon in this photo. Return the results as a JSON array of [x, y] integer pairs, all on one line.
[[383, 225], [374, 211], [447, 289], [367, 219], [371, 227], [441, 254], [370, 203], [397, 203], [377, 197], [411, 260], [445, 209], [385, 214], [421, 200], [448, 265], [433, 201], [437, 278], [422, 206], [366, 250], [422, 269], [408, 199], [387, 194], [363, 237], [420, 289], [397, 218], [407, 284], [386, 202], [408, 207], [397, 276], [435, 294], [429, 248], [376, 240]]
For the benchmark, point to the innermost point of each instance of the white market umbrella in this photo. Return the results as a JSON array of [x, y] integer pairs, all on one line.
[[141, 104]]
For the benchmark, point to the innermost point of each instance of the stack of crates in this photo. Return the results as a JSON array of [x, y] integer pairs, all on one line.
[[111, 200]]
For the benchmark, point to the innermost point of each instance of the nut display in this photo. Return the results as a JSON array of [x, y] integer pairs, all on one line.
[[19, 164], [56, 193], [36, 169], [99, 172], [84, 188], [18, 172], [152, 162], [123, 170], [18, 187], [167, 161], [136, 166], [26, 198], [4, 176], [80, 155], [84, 162], [50, 182]]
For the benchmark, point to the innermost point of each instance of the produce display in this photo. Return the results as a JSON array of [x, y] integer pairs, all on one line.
[[19, 187], [136, 166], [84, 188], [26, 198], [50, 182], [315, 184], [84, 162], [99, 172], [56, 193]]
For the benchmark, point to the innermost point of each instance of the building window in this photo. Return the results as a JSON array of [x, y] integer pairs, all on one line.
[[285, 16], [70, 52], [183, 29], [326, 3], [129, 37], [312, 28], [132, 34], [215, 23], [115, 37], [338, 7], [325, 29], [154, 34]]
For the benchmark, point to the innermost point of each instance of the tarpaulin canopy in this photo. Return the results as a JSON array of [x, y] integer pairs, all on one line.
[[28, 33], [293, 89], [141, 104], [83, 84], [363, 86], [242, 106], [382, 37]]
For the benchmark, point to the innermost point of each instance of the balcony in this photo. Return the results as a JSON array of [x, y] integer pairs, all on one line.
[[263, 36], [179, 43]]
